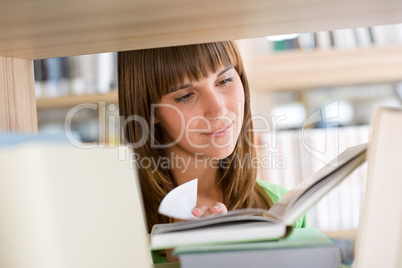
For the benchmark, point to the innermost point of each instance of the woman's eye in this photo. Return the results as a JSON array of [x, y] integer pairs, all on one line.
[[184, 98], [225, 82]]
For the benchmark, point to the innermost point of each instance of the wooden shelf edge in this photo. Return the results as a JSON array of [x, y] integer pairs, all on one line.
[[38, 29], [300, 70], [342, 234], [71, 101]]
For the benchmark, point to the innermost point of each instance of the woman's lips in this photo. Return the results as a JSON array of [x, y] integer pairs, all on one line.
[[220, 132]]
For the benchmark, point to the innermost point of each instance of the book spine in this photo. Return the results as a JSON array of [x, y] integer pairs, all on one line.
[[64, 87], [89, 66], [77, 84], [307, 41], [54, 74], [105, 72], [363, 37], [323, 40], [39, 78]]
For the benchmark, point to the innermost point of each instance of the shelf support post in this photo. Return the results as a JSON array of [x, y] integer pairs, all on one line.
[[17, 96]]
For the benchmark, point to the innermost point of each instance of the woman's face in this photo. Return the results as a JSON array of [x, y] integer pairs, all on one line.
[[203, 117]]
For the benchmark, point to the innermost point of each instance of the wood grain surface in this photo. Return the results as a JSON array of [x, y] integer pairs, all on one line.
[[17, 96], [47, 28]]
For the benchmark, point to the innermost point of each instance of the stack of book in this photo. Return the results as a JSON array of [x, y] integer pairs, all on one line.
[[304, 248]]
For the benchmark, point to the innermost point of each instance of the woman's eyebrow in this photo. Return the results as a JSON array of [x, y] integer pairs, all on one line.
[[226, 69], [179, 88], [189, 85]]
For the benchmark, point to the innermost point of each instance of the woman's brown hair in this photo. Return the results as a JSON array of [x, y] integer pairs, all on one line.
[[144, 77]]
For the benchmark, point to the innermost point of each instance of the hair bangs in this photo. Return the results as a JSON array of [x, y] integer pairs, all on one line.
[[192, 62]]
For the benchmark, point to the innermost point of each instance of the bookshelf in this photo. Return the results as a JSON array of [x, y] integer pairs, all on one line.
[[73, 100], [43, 29], [298, 70], [308, 70]]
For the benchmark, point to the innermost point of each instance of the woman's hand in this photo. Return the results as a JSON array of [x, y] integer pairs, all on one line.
[[201, 210]]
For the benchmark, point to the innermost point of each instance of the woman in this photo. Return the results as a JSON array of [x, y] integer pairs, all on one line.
[[190, 105]]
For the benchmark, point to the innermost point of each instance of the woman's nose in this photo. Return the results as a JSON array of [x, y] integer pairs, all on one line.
[[215, 105]]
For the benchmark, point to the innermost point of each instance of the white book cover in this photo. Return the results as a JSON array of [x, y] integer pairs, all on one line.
[[380, 233], [64, 207]]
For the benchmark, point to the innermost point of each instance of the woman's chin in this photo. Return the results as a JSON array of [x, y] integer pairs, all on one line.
[[219, 153]]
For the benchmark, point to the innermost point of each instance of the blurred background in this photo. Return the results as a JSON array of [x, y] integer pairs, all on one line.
[[315, 91]]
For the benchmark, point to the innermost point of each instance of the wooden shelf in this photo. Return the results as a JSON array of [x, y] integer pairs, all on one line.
[[71, 101], [303, 70], [342, 234], [293, 70], [45, 28]]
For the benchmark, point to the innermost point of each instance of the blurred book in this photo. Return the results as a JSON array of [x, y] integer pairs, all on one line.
[[364, 37], [89, 68], [77, 75], [105, 73], [387, 35], [349, 38], [51, 88], [304, 248], [64, 206], [380, 234], [344, 39], [307, 41], [324, 40], [39, 75], [77, 84]]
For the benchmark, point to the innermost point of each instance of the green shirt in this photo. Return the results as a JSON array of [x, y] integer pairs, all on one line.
[[275, 192]]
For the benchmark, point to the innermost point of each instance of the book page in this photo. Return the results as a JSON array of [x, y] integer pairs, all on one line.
[[312, 189], [239, 215], [180, 201]]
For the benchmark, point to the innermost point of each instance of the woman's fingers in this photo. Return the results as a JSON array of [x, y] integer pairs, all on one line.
[[200, 211], [218, 208]]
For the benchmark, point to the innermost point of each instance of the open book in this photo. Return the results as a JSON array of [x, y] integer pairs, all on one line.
[[244, 225]]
